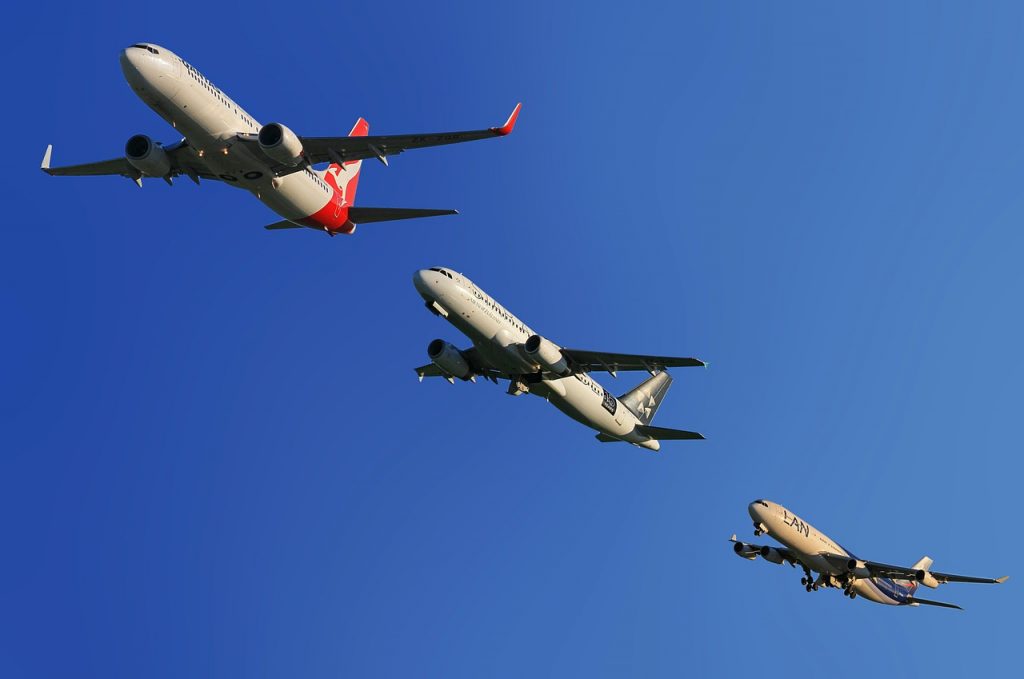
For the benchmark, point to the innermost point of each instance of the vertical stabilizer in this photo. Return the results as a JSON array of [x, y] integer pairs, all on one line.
[[645, 400], [346, 174], [924, 564]]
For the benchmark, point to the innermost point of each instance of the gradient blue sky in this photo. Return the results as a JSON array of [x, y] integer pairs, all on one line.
[[217, 461]]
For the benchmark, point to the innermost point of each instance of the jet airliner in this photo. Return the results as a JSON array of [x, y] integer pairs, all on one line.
[[222, 142], [837, 567], [506, 348]]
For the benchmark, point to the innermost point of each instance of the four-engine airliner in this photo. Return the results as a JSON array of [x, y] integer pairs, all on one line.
[[838, 567], [504, 347], [224, 143]]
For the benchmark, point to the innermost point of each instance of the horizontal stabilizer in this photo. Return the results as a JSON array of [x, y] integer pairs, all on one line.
[[926, 602], [605, 438], [665, 434], [367, 215], [285, 224]]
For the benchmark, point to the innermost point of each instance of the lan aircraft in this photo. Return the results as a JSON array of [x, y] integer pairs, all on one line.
[[505, 347], [837, 567], [224, 143]]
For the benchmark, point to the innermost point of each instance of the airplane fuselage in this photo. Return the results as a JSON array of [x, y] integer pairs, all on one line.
[[810, 543], [497, 335], [210, 120]]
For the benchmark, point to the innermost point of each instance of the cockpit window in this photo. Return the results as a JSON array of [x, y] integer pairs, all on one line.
[[762, 503], [152, 50], [434, 268]]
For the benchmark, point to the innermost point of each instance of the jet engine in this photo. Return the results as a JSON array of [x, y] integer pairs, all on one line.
[[281, 144], [548, 355], [771, 554], [926, 579], [146, 156], [744, 550], [449, 359], [858, 569]]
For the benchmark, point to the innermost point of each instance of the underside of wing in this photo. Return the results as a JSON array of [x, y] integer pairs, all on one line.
[[884, 570], [473, 359], [587, 361], [774, 554], [113, 166], [325, 149], [181, 159]]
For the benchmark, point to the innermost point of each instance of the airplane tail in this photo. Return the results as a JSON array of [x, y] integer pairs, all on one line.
[[923, 564], [645, 399], [346, 174]]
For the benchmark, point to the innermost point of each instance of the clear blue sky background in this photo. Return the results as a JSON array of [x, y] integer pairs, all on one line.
[[217, 461]]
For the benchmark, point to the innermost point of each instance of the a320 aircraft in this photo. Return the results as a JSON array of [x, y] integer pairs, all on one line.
[[224, 143], [837, 567], [505, 347]]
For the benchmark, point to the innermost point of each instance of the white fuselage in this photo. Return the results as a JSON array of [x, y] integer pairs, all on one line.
[[802, 538], [209, 120], [498, 336]]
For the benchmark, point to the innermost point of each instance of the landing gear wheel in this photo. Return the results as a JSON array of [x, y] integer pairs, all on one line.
[[853, 595], [808, 587], [803, 581]]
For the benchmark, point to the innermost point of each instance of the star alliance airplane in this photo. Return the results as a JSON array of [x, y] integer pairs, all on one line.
[[506, 348], [837, 567], [224, 143]]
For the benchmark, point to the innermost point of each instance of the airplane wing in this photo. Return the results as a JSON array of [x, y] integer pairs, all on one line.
[[472, 358], [342, 149], [356, 148], [586, 361], [183, 162], [750, 551], [882, 570]]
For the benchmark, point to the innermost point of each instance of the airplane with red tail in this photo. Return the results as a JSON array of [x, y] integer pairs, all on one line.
[[224, 143]]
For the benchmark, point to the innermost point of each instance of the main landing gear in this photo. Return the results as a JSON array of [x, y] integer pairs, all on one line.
[[850, 591], [808, 581]]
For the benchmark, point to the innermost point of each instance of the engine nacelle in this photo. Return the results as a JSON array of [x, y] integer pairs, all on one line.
[[449, 359], [548, 355], [146, 156], [281, 144], [926, 579], [744, 550], [858, 569], [771, 554]]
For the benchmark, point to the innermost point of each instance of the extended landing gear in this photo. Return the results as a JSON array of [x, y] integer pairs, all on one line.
[[808, 581], [516, 387], [850, 592]]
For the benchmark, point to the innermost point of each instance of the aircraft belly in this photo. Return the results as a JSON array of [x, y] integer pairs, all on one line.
[[583, 405], [870, 591]]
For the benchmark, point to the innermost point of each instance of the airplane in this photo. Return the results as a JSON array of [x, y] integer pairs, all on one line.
[[224, 143], [506, 348], [836, 566]]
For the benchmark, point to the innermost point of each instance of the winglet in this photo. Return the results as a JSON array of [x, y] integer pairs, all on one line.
[[1003, 579], [509, 124], [45, 165], [733, 538]]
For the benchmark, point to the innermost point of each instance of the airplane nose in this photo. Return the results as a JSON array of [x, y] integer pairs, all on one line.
[[755, 510], [420, 282]]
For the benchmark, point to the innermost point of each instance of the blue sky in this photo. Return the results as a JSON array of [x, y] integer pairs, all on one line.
[[217, 460]]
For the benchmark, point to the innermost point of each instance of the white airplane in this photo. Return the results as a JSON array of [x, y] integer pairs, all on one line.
[[505, 347], [837, 567], [224, 143]]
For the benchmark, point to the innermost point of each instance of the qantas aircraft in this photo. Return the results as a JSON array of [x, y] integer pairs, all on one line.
[[224, 143], [837, 567], [505, 347]]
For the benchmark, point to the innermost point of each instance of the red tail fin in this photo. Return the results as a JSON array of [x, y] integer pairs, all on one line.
[[346, 175]]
